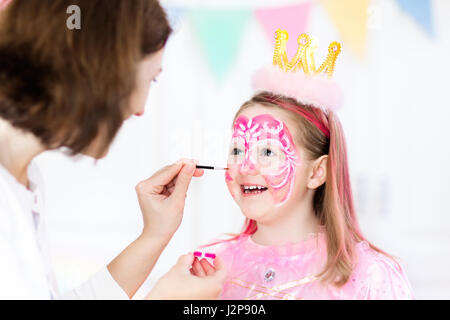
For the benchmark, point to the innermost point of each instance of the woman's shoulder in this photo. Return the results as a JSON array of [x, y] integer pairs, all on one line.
[[379, 276]]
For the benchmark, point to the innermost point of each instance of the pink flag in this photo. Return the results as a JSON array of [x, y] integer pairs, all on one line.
[[293, 19]]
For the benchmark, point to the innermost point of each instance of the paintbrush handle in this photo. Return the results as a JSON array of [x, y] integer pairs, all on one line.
[[204, 167], [209, 167]]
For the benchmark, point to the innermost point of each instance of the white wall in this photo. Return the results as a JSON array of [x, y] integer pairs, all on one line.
[[395, 118]]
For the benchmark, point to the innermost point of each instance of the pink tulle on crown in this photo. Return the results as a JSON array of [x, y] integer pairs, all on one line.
[[316, 90]]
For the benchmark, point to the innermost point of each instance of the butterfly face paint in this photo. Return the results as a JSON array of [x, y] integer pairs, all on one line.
[[263, 146]]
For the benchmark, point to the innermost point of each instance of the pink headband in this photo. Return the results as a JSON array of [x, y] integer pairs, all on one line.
[[300, 111]]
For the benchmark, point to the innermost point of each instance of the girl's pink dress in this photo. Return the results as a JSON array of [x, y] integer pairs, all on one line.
[[288, 272]]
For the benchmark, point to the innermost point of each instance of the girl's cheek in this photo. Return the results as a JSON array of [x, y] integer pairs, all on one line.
[[230, 189], [280, 185], [229, 180]]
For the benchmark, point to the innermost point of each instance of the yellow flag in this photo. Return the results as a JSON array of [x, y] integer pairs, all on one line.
[[350, 18]]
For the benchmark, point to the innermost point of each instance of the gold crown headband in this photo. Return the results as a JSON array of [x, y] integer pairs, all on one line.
[[304, 58], [308, 87]]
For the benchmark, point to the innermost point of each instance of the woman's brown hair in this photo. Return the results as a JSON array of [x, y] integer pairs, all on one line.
[[67, 86]]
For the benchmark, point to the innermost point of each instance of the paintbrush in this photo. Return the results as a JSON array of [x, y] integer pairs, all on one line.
[[210, 167]]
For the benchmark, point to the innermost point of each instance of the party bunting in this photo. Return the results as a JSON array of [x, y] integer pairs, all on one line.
[[220, 32], [420, 10], [350, 18], [294, 19]]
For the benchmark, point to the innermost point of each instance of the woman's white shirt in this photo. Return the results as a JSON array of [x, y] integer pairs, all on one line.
[[26, 270]]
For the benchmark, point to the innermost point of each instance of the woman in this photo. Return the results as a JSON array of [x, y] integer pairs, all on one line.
[[73, 89]]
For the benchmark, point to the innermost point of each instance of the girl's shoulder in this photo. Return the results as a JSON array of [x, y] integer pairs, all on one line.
[[379, 276]]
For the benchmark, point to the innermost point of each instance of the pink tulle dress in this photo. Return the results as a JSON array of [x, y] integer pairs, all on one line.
[[288, 272]]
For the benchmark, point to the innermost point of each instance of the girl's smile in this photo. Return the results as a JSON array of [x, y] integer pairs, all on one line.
[[249, 189]]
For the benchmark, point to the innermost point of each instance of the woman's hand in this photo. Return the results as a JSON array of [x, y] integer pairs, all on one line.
[[181, 284], [162, 198], [202, 268]]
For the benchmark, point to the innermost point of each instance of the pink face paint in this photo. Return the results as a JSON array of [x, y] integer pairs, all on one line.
[[260, 131], [200, 254], [228, 180], [210, 255]]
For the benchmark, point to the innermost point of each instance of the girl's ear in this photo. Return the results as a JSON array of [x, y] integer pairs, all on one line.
[[318, 174]]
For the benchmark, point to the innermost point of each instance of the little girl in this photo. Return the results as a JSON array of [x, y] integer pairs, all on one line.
[[288, 172]]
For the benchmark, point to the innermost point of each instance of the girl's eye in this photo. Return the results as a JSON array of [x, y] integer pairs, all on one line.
[[236, 151], [267, 152]]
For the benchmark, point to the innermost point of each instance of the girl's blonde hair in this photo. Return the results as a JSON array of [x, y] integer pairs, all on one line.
[[333, 201]]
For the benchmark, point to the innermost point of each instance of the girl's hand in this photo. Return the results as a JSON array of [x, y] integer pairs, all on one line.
[[180, 284], [162, 197]]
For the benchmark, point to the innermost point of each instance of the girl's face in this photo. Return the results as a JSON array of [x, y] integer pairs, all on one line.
[[267, 172]]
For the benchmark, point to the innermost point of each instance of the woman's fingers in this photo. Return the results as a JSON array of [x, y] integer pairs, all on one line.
[[182, 184], [163, 182], [198, 172], [197, 268], [207, 267], [171, 185], [158, 181], [183, 282], [165, 176], [202, 268], [162, 197]]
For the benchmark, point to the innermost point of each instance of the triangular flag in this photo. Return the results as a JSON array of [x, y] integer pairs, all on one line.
[[220, 32], [294, 19], [350, 18], [420, 10]]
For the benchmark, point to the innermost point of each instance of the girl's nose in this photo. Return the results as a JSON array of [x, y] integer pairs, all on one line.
[[248, 167]]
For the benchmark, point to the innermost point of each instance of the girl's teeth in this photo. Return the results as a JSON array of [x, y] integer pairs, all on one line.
[[252, 188]]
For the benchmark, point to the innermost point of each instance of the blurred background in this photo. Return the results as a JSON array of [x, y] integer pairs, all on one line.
[[393, 68]]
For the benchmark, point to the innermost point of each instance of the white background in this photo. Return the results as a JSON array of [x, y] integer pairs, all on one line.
[[396, 120]]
